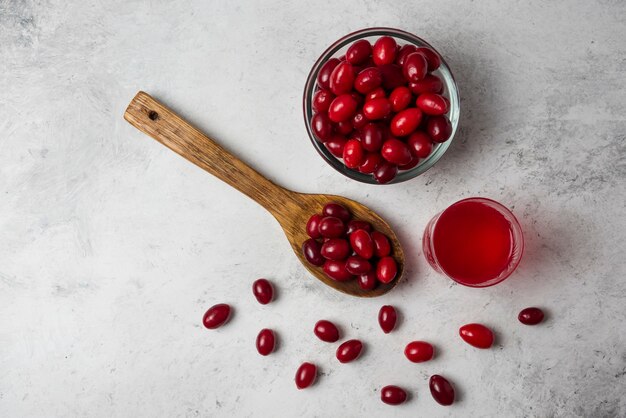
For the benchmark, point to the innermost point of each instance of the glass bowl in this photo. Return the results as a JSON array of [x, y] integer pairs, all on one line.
[[338, 49]]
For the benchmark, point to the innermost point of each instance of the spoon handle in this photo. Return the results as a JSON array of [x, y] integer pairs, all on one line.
[[162, 124]]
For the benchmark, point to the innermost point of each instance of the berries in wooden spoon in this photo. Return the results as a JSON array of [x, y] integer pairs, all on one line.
[[347, 248]]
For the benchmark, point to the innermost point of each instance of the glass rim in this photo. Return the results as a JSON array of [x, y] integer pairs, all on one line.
[[438, 149]]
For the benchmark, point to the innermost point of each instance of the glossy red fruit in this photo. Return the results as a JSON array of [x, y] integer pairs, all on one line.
[[313, 252], [358, 265], [359, 52], [335, 249], [360, 99], [400, 98], [432, 104], [377, 93], [335, 145], [349, 351], [312, 226], [359, 120], [441, 390], [392, 76], [429, 84], [396, 152], [370, 163], [263, 291], [367, 281], [372, 137], [376, 109], [404, 52], [477, 335], [414, 67], [439, 128], [305, 375], [322, 100], [344, 127], [419, 351], [382, 248], [432, 58], [326, 331], [336, 270], [368, 80], [384, 50], [342, 108], [342, 78], [385, 172], [361, 242], [392, 395], [411, 164], [353, 153], [354, 224], [530, 316], [387, 318], [420, 144], [386, 269], [337, 210], [322, 126], [323, 76], [265, 342], [331, 227], [405, 122], [216, 316]]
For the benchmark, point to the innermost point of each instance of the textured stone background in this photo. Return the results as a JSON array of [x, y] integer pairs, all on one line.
[[112, 247]]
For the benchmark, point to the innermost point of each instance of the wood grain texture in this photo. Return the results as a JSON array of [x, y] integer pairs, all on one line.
[[291, 209]]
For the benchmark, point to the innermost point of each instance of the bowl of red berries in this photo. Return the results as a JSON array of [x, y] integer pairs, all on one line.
[[381, 106]]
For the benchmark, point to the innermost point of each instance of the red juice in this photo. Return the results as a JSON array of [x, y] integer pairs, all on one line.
[[473, 242]]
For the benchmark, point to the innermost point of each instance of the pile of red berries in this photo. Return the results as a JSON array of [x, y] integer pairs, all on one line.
[[441, 390], [381, 108], [348, 248]]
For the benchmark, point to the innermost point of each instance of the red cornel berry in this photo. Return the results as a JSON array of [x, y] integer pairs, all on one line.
[[393, 395], [326, 331], [305, 375], [263, 291], [387, 318], [265, 342], [477, 335], [419, 351], [441, 390], [530, 316], [349, 351], [386, 269], [216, 316]]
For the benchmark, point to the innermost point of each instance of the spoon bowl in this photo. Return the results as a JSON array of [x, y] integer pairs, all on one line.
[[300, 210], [291, 209]]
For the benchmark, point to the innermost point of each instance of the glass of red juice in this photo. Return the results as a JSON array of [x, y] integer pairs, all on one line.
[[476, 242]]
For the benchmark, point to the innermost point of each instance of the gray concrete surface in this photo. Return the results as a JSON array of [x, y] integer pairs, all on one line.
[[112, 247]]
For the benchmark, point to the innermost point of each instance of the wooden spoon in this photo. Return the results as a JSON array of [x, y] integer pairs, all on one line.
[[291, 209]]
